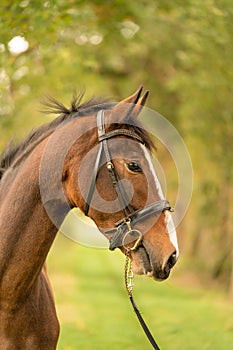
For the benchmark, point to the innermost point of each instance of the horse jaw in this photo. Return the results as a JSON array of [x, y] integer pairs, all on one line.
[[144, 262]]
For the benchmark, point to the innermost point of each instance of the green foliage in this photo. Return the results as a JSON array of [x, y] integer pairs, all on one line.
[[181, 51]]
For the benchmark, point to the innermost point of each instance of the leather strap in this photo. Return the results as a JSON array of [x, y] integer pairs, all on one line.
[[121, 227], [143, 324], [121, 132], [122, 195], [103, 137], [151, 209], [93, 181]]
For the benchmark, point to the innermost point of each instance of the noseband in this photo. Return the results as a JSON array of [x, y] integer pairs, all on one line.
[[124, 227]]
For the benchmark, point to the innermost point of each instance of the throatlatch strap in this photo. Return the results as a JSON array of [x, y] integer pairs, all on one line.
[[93, 181]]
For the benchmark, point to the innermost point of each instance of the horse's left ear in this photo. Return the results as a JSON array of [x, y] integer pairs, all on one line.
[[129, 107]]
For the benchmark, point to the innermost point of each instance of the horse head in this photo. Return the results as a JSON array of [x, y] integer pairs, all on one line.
[[113, 181]]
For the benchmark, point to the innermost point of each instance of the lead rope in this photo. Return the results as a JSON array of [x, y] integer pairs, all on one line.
[[129, 288]]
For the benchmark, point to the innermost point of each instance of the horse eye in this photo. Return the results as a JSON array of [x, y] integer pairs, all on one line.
[[135, 167]]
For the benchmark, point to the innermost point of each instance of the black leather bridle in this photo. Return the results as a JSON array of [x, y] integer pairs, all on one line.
[[124, 227]]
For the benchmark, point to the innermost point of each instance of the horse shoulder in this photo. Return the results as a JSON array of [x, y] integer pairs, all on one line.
[[33, 324]]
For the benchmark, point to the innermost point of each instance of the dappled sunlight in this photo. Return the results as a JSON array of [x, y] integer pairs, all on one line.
[[18, 45]]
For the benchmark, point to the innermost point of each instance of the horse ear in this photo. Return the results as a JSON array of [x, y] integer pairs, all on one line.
[[131, 106], [135, 97], [141, 102]]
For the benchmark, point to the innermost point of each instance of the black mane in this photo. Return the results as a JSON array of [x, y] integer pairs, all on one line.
[[77, 109]]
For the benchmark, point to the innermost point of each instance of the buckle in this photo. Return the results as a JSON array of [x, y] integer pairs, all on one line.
[[131, 232]]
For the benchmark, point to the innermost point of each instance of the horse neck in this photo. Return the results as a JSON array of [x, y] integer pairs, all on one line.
[[26, 232]]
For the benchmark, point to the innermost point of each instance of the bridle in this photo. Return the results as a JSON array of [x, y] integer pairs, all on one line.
[[126, 226]]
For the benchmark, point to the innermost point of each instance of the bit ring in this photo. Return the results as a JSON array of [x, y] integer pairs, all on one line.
[[137, 243]]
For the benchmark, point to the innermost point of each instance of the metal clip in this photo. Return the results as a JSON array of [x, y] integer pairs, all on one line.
[[128, 223], [130, 279]]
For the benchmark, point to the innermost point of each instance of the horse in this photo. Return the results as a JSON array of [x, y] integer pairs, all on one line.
[[94, 156]]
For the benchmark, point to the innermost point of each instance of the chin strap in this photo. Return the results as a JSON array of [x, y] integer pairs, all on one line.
[[129, 287]]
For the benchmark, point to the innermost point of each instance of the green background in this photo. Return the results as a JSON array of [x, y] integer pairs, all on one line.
[[182, 52]]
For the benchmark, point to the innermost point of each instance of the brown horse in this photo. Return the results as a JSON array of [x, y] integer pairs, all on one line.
[[62, 165]]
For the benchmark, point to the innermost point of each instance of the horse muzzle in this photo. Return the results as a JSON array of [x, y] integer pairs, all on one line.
[[146, 263]]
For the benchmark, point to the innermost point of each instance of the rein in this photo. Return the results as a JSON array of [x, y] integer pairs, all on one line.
[[129, 288], [124, 228]]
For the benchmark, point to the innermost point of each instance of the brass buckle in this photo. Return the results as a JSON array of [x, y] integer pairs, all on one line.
[[131, 231]]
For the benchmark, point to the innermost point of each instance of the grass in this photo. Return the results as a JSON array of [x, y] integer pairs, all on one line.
[[95, 312]]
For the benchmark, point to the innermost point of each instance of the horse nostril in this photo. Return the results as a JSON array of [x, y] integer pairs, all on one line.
[[172, 260]]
